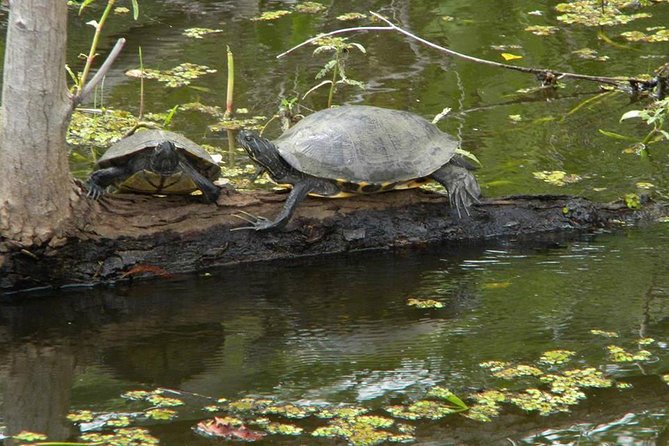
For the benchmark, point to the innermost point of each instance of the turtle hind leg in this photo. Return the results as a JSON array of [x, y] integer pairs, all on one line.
[[462, 187], [100, 179]]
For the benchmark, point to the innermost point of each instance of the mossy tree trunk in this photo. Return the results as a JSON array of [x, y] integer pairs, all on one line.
[[36, 189]]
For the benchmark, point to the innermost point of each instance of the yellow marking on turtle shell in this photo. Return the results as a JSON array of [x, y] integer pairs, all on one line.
[[147, 182]]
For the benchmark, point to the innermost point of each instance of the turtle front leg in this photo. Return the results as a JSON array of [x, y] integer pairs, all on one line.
[[297, 194], [100, 179], [208, 188], [463, 189]]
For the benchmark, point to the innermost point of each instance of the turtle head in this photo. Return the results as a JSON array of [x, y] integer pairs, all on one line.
[[165, 158], [263, 152]]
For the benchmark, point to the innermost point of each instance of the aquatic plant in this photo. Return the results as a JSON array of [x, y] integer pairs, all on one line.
[[310, 7], [340, 48]]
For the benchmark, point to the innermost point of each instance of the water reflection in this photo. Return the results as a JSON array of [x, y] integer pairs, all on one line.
[[335, 330]]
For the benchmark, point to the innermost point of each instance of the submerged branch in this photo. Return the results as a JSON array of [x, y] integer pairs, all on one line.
[[546, 76]]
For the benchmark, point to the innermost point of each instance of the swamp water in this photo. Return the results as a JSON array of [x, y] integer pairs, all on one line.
[[325, 334]]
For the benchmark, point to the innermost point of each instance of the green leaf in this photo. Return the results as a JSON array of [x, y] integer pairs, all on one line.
[[84, 4], [135, 9], [631, 114], [616, 135], [457, 402], [360, 47], [664, 133], [170, 115]]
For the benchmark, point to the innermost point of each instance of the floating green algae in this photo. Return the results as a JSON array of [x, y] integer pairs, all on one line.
[[597, 13], [179, 76], [310, 7], [270, 15], [199, 33]]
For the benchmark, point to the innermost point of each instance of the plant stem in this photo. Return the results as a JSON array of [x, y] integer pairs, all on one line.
[[231, 85], [94, 44], [141, 86], [335, 73]]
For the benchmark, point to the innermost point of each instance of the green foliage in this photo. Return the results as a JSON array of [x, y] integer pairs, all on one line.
[[340, 48], [655, 116]]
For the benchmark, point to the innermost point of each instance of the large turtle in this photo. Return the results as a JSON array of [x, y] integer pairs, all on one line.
[[156, 162], [359, 149]]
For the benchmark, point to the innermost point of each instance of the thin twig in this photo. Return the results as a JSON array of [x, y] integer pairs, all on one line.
[[95, 80], [335, 32], [543, 73]]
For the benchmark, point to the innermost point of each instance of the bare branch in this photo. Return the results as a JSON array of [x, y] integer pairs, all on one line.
[[101, 73], [546, 76]]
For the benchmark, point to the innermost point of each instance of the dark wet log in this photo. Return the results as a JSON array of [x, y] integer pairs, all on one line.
[[130, 235]]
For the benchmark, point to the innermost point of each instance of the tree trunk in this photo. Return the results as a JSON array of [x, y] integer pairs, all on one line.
[[35, 184]]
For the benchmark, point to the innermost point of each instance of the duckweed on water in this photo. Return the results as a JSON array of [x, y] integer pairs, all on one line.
[[555, 357], [161, 414], [423, 410], [597, 13], [590, 54], [29, 436], [346, 412], [80, 416], [556, 177], [542, 30], [518, 371], [123, 437], [606, 334], [199, 33], [362, 431], [99, 129], [351, 16], [179, 76], [310, 8], [424, 303], [270, 15], [274, 428], [619, 354], [661, 35], [289, 410]]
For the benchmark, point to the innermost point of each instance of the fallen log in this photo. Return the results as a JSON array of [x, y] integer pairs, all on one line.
[[123, 236]]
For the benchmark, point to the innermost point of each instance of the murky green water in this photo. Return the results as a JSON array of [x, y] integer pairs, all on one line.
[[339, 330]]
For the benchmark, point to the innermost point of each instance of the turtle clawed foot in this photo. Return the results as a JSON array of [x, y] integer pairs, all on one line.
[[94, 191], [461, 197], [258, 223]]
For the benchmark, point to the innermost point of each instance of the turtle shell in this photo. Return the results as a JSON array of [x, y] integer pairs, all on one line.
[[140, 143], [365, 144]]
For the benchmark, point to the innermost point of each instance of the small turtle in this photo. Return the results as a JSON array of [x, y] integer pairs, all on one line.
[[156, 162], [359, 149]]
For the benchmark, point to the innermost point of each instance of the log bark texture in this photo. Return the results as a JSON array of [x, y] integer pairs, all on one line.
[[125, 236]]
